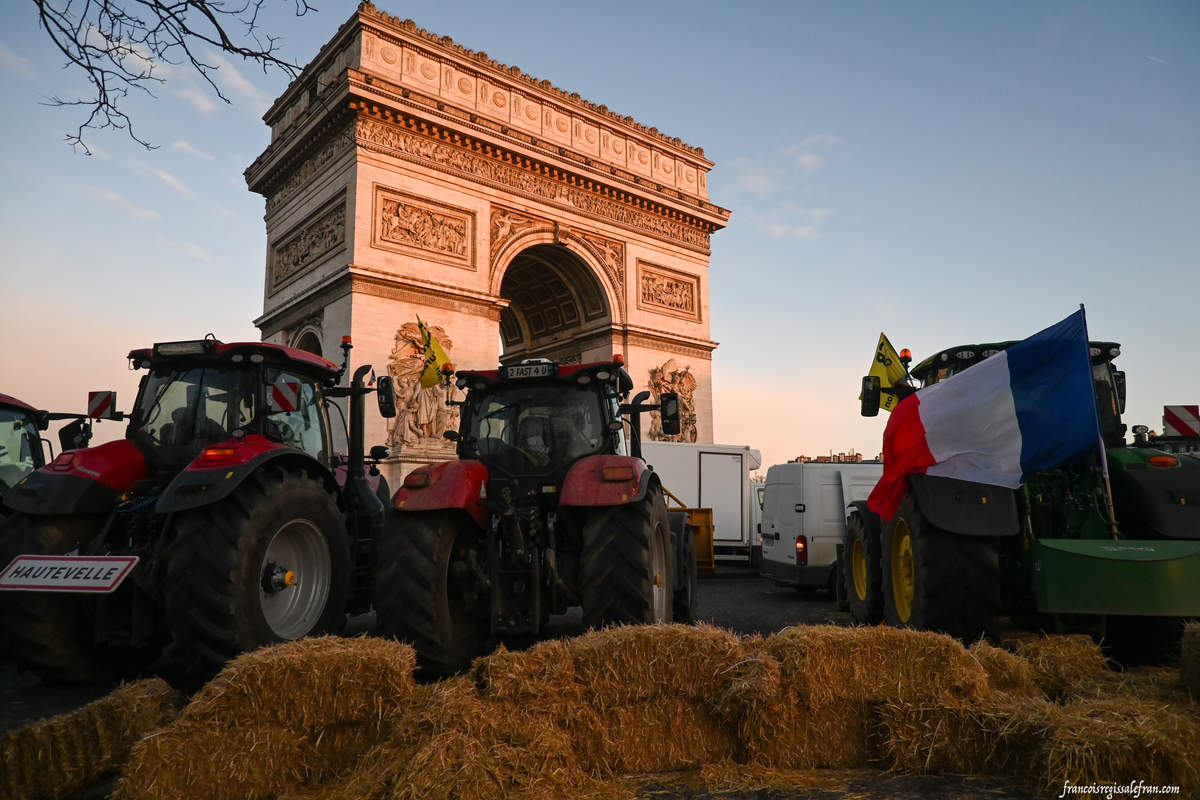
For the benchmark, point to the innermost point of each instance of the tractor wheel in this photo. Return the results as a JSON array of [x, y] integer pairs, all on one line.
[[938, 581], [267, 564], [862, 571], [426, 592], [683, 607], [627, 568], [52, 632]]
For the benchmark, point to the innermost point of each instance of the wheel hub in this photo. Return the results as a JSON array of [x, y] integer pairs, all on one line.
[[902, 571], [858, 568], [296, 579], [276, 578]]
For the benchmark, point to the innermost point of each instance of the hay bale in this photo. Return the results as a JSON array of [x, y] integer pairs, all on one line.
[[662, 735], [1189, 657], [827, 664], [1117, 740], [64, 754], [1000, 735], [1007, 672], [546, 669], [627, 665], [1064, 665], [308, 684], [200, 760], [787, 734]]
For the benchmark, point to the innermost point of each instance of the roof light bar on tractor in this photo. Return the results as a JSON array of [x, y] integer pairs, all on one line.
[[191, 347]]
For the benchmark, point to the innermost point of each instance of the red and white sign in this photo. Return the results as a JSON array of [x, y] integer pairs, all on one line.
[[285, 395], [66, 573], [1181, 421], [102, 405]]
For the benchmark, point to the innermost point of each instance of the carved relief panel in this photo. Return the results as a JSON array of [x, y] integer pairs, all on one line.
[[308, 244], [422, 415], [416, 226], [670, 377], [667, 291]]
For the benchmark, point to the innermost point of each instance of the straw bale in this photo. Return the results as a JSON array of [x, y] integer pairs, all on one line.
[[1189, 657], [827, 664], [786, 734], [1121, 739], [1000, 735], [731, 777], [200, 760], [546, 669], [309, 683], [1064, 665], [1007, 672], [64, 754], [661, 735]]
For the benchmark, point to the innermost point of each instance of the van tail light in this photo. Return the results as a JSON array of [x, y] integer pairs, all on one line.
[[801, 551]]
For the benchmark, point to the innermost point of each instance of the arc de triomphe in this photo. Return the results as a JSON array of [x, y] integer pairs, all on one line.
[[408, 176]]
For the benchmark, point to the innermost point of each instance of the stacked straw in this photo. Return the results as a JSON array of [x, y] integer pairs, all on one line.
[[276, 720], [833, 680], [63, 755], [335, 719]]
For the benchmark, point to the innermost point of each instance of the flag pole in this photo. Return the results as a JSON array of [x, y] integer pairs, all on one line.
[[1112, 512]]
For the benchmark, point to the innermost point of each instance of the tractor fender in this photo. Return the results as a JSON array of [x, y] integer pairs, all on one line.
[[80, 481], [210, 477], [1156, 502], [585, 485], [448, 485], [965, 507]]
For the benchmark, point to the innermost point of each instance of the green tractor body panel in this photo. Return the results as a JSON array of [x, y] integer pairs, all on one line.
[[1102, 576]]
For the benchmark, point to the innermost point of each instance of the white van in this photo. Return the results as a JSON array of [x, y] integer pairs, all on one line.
[[804, 516]]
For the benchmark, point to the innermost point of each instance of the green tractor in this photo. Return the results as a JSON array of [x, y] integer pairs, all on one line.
[[958, 556]]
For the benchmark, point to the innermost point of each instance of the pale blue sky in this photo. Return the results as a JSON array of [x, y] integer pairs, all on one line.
[[944, 172]]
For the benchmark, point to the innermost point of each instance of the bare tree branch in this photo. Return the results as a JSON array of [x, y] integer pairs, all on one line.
[[122, 45]]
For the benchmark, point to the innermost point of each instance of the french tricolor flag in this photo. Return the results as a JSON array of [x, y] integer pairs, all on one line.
[[1029, 407]]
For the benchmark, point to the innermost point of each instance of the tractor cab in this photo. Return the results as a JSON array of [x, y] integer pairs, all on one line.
[[199, 393], [1108, 381], [20, 441], [537, 418]]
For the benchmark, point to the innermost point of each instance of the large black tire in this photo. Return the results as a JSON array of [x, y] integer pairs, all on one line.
[[267, 564], [683, 607], [52, 633], [424, 586], [628, 567], [862, 570], [938, 581]]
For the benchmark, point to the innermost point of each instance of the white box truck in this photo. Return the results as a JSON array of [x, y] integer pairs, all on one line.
[[804, 516], [715, 476]]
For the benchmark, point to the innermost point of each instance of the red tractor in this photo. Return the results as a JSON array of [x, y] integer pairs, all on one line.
[[222, 522], [21, 441], [549, 506]]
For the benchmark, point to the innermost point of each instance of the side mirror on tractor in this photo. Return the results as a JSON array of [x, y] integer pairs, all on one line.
[[870, 396], [669, 413], [1119, 384], [386, 396]]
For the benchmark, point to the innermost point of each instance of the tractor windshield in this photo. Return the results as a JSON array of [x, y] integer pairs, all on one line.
[[527, 430], [178, 412], [20, 447], [296, 414]]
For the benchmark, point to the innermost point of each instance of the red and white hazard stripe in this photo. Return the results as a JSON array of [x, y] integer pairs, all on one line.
[[1181, 421], [101, 405], [285, 395]]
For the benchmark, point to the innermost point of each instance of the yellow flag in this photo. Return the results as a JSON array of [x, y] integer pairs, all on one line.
[[435, 356], [888, 367]]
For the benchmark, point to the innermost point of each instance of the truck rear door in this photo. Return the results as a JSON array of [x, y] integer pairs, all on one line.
[[722, 483]]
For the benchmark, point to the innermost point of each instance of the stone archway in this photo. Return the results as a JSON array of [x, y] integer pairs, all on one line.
[[309, 340], [410, 179], [557, 308]]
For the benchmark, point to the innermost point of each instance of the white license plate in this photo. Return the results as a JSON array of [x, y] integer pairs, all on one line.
[[66, 573], [530, 371]]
